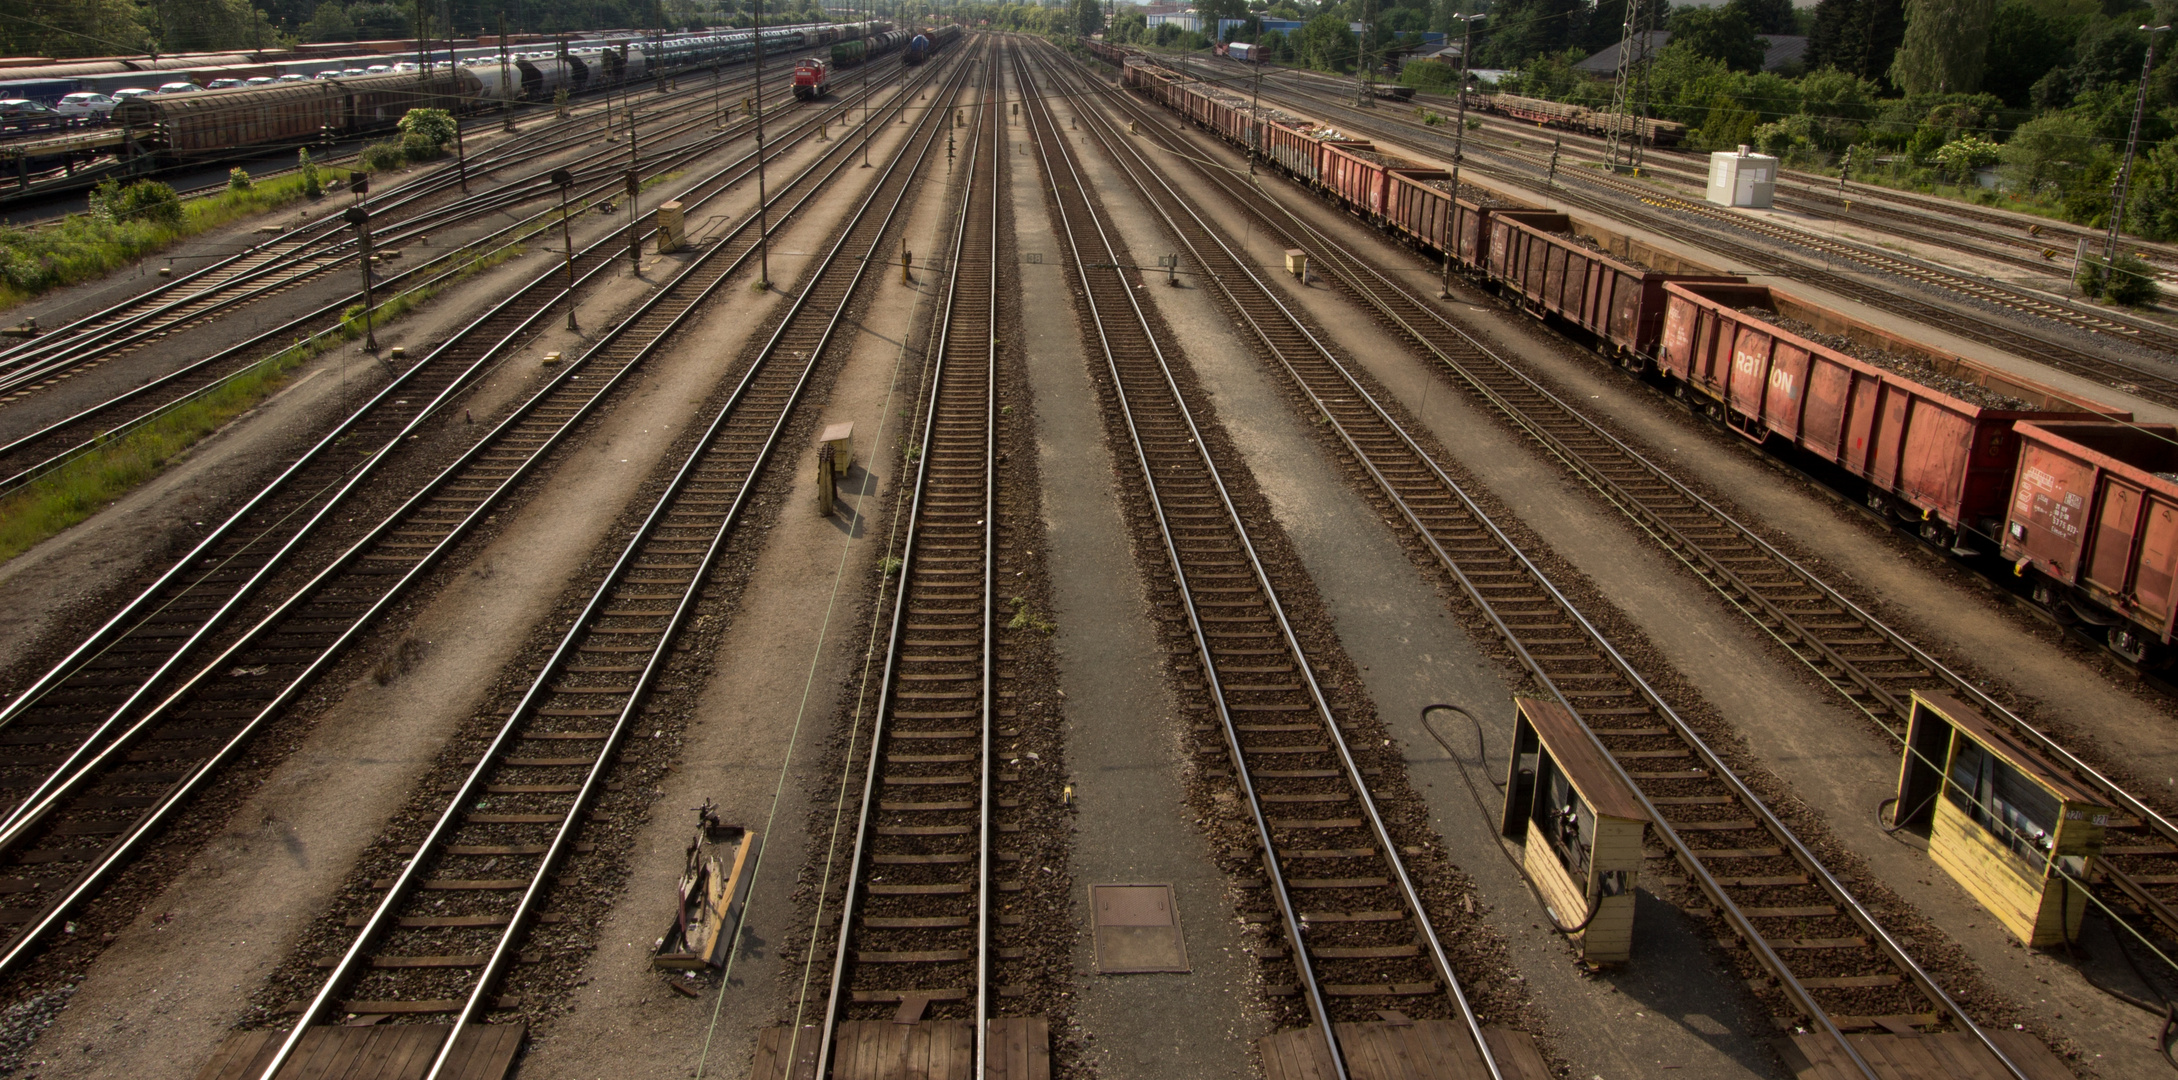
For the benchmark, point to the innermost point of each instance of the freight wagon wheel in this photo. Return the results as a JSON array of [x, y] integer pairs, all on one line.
[[2045, 597], [1937, 533], [2129, 643]]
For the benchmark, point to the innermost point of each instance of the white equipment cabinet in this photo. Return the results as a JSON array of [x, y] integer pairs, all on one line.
[[1742, 179]]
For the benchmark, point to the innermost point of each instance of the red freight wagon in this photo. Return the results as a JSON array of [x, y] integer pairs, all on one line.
[[1291, 148], [1509, 254], [1415, 205], [1620, 304], [1947, 460], [2094, 511], [1354, 171]]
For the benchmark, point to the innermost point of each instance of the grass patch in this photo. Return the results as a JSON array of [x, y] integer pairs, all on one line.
[[80, 247], [82, 487]]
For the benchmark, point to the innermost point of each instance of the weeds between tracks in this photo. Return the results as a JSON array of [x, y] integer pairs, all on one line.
[[87, 484]]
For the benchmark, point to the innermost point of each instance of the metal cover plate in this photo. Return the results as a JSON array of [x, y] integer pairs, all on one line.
[[1137, 929]]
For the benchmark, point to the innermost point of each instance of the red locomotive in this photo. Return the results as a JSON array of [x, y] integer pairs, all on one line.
[[809, 79]]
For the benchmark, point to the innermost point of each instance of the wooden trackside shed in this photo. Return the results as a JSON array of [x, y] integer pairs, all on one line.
[[1923, 453], [2016, 831], [1581, 826]]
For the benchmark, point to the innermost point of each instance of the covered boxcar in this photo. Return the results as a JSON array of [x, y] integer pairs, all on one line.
[[217, 121], [1929, 434], [2094, 516]]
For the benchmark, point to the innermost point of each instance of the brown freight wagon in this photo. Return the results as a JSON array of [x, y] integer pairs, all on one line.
[[1415, 205], [218, 121], [1924, 453], [1617, 303], [1354, 171], [2094, 514]]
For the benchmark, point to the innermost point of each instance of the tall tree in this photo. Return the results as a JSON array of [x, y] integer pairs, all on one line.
[[1088, 17], [1606, 25], [1858, 37], [1945, 48], [1768, 16], [2025, 43], [1520, 29], [1720, 33]]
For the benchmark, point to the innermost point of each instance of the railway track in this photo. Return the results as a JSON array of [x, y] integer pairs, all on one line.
[[82, 734], [921, 906], [1358, 937], [522, 804], [1820, 195], [2123, 375], [276, 266], [1817, 958], [2007, 243], [39, 453], [1871, 665]]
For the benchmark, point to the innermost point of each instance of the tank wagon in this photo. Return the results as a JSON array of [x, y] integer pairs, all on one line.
[[186, 126], [2078, 502], [851, 53], [922, 45]]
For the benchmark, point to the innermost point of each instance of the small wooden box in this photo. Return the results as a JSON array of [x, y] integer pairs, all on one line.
[[671, 230], [1581, 826], [1297, 262], [2003, 821], [842, 439]]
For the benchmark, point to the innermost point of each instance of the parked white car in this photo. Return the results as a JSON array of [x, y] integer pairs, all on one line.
[[166, 89], [87, 107]]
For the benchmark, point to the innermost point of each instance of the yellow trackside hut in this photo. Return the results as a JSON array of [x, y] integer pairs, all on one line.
[[1581, 825], [2011, 827]]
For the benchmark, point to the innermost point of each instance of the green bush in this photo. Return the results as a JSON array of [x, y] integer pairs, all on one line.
[[382, 156], [2126, 280], [146, 202], [238, 179], [435, 126], [312, 185], [416, 146]]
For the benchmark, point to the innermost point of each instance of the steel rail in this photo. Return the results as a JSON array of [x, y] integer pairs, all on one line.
[[1230, 265], [531, 145], [519, 111], [541, 295], [225, 666], [1177, 404], [540, 688], [1425, 325], [279, 269], [983, 153], [2122, 374], [272, 342]]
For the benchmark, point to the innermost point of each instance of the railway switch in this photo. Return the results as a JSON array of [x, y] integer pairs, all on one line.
[[1580, 822], [711, 896], [2017, 832]]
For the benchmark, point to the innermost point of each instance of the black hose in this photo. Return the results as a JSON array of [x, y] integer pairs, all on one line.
[[1482, 760]]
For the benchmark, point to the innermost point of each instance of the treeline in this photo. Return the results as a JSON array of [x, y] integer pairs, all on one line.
[[2027, 103], [73, 28]]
